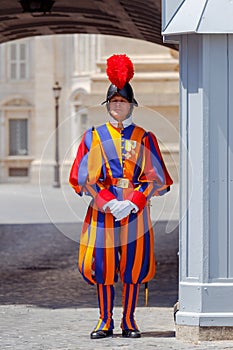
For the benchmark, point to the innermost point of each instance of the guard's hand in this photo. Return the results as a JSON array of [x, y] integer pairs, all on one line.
[[121, 209], [109, 204]]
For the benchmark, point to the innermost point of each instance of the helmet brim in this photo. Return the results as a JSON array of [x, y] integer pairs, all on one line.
[[134, 102]]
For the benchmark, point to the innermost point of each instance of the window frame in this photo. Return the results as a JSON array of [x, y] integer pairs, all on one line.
[[16, 108], [18, 61], [27, 136]]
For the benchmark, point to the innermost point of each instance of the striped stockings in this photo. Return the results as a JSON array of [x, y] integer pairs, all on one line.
[[129, 303], [106, 301]]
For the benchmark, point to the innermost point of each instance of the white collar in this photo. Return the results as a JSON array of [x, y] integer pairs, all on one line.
[[126, 122]]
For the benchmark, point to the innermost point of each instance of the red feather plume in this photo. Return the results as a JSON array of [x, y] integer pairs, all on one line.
[[120, 70]]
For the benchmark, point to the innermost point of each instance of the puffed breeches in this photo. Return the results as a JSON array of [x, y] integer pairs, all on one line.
[[109, 248]]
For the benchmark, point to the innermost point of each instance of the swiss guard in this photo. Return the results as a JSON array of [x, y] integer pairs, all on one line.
[[119, 164]]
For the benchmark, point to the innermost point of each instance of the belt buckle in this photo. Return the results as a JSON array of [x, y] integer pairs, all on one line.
[[123, 183]]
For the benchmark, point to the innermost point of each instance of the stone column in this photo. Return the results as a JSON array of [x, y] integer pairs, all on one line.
[[44, 124], [206, 173]]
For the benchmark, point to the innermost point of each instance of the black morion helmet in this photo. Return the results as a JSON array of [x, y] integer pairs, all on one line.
[[126, 92], [120, 71]]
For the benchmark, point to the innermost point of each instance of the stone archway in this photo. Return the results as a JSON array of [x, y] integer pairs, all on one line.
[[119, 18], [135, 19]]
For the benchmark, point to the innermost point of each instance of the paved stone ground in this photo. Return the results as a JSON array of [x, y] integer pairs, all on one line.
[[45, 304], [42, 292], [29, 328], [38, 267], [24, 203]]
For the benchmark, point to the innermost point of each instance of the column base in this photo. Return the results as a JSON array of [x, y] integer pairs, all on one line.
[[196, 333], [42, 172]]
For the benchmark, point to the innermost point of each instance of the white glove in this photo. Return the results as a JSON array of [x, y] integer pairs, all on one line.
[[116, 206], [109, 204], [122, 209]]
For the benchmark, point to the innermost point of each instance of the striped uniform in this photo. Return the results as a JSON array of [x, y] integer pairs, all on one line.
[[107, 155], [106, 300]]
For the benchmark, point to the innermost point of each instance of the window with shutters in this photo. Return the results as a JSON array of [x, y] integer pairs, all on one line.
[[18, 61], [18, 137]]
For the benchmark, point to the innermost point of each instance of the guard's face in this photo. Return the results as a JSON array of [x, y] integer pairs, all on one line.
[[119, 108]]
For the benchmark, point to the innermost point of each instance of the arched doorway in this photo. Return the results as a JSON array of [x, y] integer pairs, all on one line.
[[118, 19]]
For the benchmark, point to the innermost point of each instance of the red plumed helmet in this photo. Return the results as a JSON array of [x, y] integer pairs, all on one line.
[[120, 70]]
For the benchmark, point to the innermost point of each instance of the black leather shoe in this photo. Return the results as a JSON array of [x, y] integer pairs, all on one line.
[[131, 333], [101, 334]]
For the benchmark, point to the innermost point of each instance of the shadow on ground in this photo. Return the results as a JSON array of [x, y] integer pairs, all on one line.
[[38, 267]]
